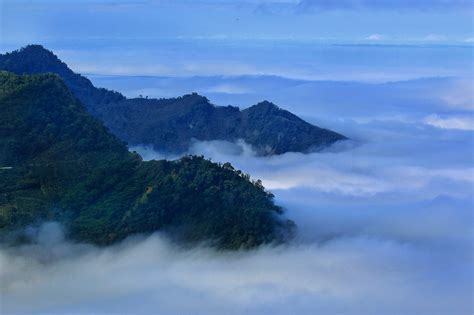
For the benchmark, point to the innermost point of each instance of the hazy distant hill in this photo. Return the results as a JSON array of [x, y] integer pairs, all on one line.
[[57, 162], [171, 124]]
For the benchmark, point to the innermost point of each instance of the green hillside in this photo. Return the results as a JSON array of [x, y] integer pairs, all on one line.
[[57, 162]]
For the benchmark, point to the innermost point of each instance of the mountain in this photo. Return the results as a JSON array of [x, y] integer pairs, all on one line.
[[58, 162], [172, 124]]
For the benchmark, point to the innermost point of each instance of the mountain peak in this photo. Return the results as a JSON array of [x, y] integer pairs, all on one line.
[[263, 107], [267, 104], [195, 97], [36, 50], [35, 47], [33, 59]]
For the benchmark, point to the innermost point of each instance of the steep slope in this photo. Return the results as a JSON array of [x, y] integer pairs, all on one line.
[[277, 131], [172, 124], [57, 162]]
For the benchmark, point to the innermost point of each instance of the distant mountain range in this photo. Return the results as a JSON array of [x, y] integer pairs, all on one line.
[[172, 124], [58, 162]]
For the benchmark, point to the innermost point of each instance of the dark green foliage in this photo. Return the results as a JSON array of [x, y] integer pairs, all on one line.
[[59, 163], [171, 124]]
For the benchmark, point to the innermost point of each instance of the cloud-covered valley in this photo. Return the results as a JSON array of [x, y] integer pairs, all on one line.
[[385, 226]]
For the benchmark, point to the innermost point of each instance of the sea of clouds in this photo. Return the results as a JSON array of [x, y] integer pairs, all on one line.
[[385, 223]]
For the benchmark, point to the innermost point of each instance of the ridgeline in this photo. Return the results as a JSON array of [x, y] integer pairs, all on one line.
[[172, 124]]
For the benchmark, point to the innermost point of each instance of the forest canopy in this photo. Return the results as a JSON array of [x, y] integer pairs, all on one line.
[[57, 162]]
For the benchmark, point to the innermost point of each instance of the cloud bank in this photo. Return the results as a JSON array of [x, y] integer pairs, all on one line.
[[384, 226], [346, 275], [385, 220]]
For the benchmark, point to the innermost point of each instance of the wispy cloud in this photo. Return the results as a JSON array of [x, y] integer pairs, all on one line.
[[435, 37], [456, 122], [375, 37], [458, 93]]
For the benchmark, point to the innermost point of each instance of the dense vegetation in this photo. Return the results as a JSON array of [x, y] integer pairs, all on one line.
[[171, 124], [57, 162]]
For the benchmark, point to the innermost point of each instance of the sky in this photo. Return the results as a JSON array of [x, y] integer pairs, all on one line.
[[316, 40], [385, 219], [346, 20]]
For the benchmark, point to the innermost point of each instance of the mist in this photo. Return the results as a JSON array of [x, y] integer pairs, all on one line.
[[149, 275], [385, 226]]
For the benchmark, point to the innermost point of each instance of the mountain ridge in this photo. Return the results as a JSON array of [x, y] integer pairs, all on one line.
[[172, 124]]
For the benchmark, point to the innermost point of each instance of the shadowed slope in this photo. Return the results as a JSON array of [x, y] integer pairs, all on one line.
[[172, 124]]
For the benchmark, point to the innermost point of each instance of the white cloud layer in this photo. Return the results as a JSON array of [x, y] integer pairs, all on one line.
[[385, 220], [347, 275]]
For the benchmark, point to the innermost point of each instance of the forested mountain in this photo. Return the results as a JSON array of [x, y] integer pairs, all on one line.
[[171, 124], [57, 162]]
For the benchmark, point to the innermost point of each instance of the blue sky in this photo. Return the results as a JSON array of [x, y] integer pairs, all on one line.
[[346, 20], [286, 38]]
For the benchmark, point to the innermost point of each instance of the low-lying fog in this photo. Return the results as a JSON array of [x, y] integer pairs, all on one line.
[[385, 227]]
